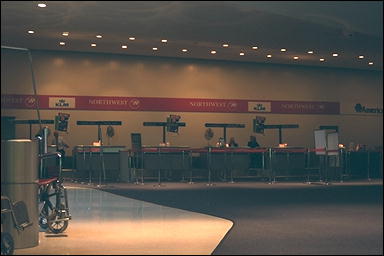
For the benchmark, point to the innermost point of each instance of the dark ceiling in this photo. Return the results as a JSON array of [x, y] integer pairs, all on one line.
[[349, 28]]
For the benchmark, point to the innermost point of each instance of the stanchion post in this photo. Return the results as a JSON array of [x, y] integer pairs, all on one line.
[[190, 166]]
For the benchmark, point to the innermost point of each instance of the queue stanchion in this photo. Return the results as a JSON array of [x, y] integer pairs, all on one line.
[[209, 166], [342, 164], [182, 166], [159, 169], [89, 167], [308, 165], [142, 166], [272, 179], [368, 165], [231, 167], [102, 171], [138, 163], [190, 166]]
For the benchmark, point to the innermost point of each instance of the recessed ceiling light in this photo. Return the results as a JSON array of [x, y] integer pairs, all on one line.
[[99, 36], [62, 43], [225, 45], [283, 49], [184, 50], [154, 48], [370, 63], [361, 57], [164, 40], [42, 5], [310, 52], [269, 56], [322, 59], [65, 34], [242, 54], [31, 31], [93, 45], [254, 47], [124, 46], [132, 38], [335, 54], [213, 52], [296, 58]]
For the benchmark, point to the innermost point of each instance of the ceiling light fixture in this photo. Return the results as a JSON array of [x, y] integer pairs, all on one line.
[[164, 40], [184, 50], [254, 47], [213, 52], [269, 56], [99, 36], [132, 38], [225, 45], [154, 48], [93, 45], [62, 43], [283, 49], [370, 63], [124, 46], [242, 54], [310, 52], [335, 54], [295, 58], [31, 31], [361, 57], [42, 5], [65, 34], [322, 59]]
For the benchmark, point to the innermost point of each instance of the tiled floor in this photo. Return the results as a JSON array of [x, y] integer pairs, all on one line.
[[103, 223]]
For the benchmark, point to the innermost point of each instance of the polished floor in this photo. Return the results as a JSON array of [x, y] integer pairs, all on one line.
[[104, 223], [284, 218]]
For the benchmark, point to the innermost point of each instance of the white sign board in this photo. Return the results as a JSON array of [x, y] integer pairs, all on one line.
[[320, 142], [333, 144]]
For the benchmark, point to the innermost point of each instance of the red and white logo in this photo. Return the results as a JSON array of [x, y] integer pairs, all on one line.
[[134, 103], [232, 105], [30, 101]]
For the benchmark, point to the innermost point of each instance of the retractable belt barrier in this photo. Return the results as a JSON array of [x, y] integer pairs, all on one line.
[[222, 162]]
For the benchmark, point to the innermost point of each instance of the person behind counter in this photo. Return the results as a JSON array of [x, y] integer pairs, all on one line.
[[232, 143], [255, 161], [252, 143]]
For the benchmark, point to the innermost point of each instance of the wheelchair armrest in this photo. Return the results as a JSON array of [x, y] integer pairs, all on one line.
[[47, 181]]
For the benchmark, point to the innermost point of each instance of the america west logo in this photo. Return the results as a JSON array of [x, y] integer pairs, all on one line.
[[360, 108]]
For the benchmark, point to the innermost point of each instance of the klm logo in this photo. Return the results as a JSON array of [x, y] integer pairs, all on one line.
[[62, 103], [259, 107]]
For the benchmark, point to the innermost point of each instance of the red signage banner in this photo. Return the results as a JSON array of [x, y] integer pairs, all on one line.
[[168, 104]]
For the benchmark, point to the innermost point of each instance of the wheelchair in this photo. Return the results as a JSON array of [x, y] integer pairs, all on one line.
[[20, 218], [54, 211]]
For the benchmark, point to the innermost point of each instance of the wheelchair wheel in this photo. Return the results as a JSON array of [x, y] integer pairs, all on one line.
[[43, 219], [57, 226], [7, 244]]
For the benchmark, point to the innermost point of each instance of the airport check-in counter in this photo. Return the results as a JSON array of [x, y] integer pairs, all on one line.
[[227, 163], [162, 162], [287, 162], [89, 161]]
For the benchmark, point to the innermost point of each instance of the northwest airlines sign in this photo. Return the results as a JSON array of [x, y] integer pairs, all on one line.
[[168, 104]]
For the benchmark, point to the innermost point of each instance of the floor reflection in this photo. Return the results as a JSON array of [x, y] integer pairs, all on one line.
[[103, 223]]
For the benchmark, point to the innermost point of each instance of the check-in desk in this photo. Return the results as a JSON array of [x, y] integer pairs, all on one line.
[[97, 163], [366, 164], [287, 162], [227, 163], [163, 162]]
